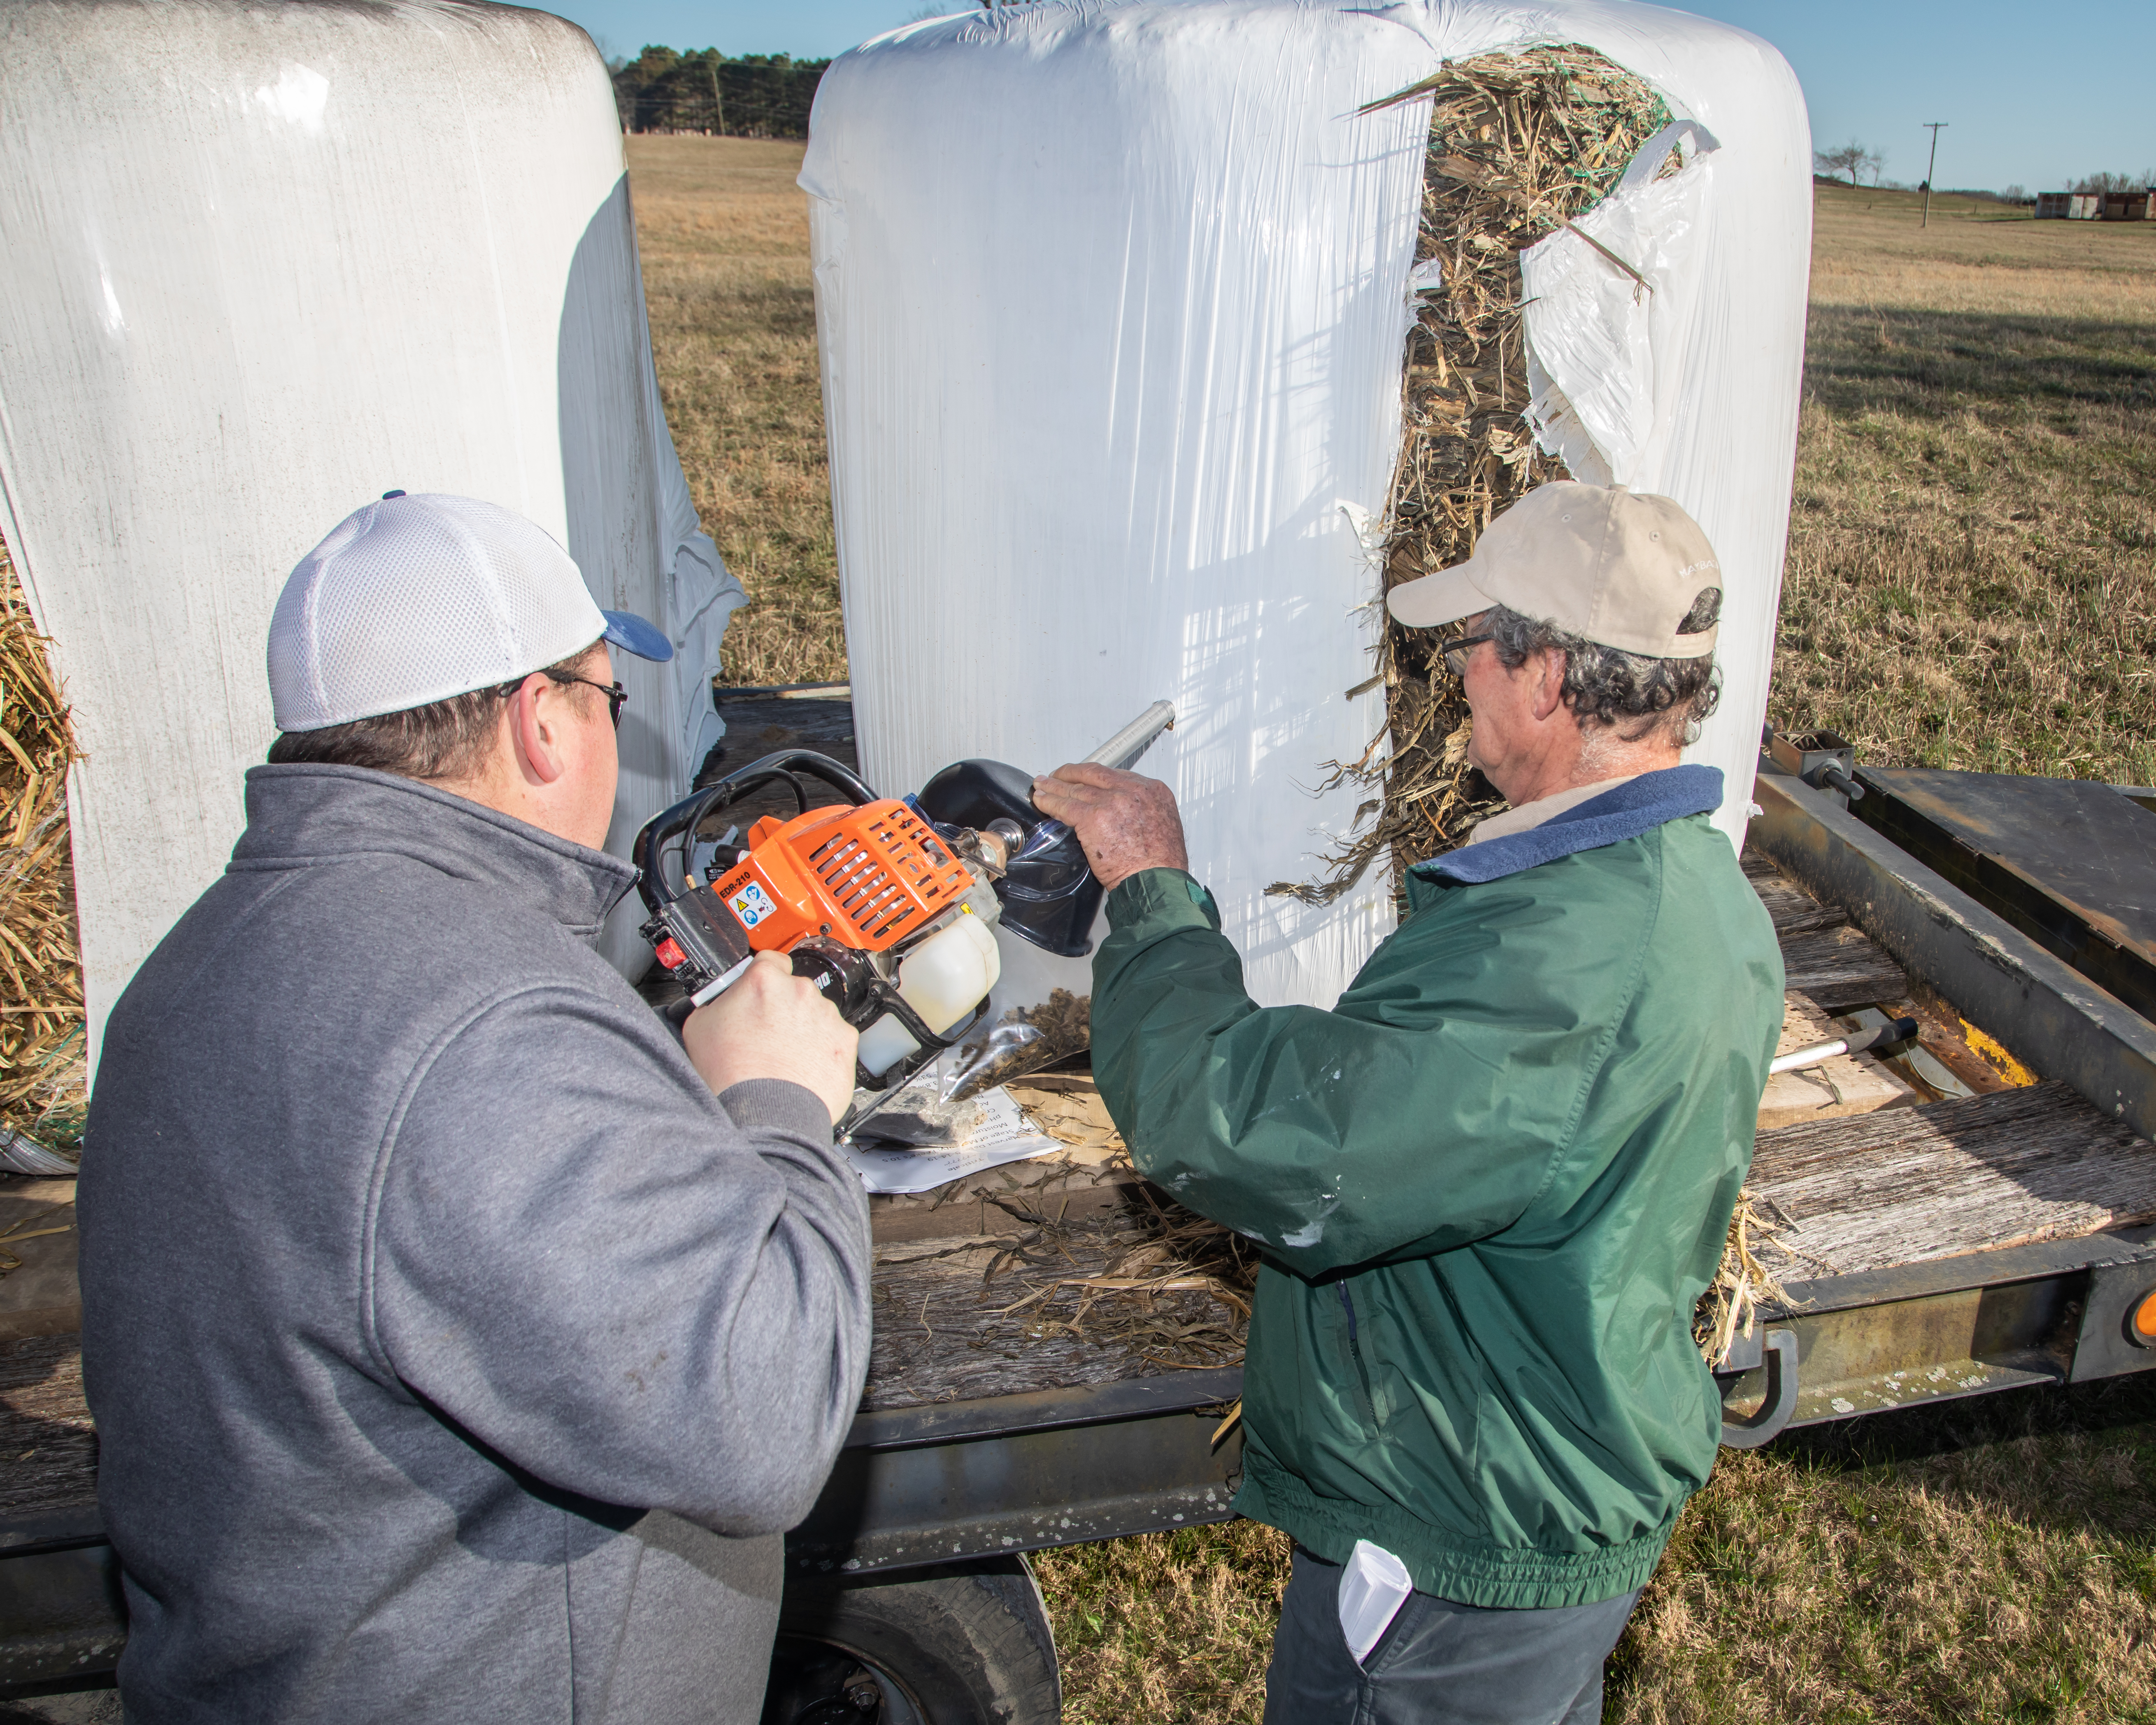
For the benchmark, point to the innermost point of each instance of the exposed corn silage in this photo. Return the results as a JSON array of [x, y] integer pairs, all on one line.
[[43, 1063], [1519, 144]]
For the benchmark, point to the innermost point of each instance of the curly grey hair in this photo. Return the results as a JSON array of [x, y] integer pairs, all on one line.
[[1611, 689]]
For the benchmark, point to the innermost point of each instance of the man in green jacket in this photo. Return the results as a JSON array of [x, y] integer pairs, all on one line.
[[1491, 1183]]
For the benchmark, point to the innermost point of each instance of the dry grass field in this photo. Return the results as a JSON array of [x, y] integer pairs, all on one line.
[[724, 236], [1972, 570], [1971, 583]]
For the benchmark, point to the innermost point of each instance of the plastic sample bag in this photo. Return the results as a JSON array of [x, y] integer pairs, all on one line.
[[1112, 300], [258, 265]]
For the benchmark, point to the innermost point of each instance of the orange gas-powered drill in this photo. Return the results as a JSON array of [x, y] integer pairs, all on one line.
[[886, 904]]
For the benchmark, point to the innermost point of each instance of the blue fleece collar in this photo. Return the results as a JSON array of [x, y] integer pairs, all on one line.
[[1637, 806]]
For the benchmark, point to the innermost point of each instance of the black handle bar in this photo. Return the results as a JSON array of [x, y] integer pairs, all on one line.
[[692, 811]]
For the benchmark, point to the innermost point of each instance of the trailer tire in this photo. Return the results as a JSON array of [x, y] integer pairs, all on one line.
[[963, 1645]]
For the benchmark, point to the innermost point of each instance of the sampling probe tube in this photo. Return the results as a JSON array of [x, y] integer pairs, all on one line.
[[1119, 751], [1894, 1030]]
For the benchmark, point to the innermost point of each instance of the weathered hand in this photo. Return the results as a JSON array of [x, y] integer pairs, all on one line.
[[1128, 824], [772, 1023]]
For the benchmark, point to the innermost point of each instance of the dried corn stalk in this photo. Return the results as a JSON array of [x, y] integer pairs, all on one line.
[[1741, 1282], [1127, 1278], [1519, 144], [42, 1067]]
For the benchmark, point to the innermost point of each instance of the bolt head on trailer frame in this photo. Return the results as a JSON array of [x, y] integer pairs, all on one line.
[[1822, 758]]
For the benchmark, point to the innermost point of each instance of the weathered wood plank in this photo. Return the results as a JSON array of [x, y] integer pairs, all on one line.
[[1794, 910], [48, 1447], [1906, 1185], [1839, 968], [1823, 957]]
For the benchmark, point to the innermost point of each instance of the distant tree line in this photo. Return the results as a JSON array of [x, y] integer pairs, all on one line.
[[750, 95], [2143, 181], [1850, 161]]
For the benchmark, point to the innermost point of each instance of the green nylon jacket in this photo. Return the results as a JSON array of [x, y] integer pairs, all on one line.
[[1490, 1184]]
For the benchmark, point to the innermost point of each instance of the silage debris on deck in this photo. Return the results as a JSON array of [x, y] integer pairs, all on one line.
[[1055, 1296], [1107, 1279], [43, 1068], [1741, 1284], [1519, 144], [1108, 1276]]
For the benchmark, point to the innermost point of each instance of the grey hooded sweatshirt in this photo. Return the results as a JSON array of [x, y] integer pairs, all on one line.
[[455, 1354]]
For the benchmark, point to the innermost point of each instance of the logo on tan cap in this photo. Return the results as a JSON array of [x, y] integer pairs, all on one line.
[[1620, 568]]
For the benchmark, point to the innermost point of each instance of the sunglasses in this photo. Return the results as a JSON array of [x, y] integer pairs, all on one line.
[[1456, 653], [617, 696]]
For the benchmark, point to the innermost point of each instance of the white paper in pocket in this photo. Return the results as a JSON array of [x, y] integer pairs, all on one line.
[[1373, 1586]]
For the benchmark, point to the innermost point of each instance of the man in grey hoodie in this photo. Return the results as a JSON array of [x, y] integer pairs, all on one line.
[[460, 1344]]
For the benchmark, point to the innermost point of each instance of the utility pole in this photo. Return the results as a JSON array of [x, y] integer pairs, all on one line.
[[719, 106], [1934, 124]]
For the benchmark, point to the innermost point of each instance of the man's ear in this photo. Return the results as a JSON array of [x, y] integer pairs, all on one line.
[[537, 713], [1549, 683]]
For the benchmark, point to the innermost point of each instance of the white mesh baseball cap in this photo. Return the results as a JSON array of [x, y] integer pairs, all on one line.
[[413, 599]]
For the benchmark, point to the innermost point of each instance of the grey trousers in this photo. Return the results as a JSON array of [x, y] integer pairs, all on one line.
[[1439, 1663]]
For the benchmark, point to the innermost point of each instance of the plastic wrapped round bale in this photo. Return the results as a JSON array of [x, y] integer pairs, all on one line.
[[1132, 319], [260, 263]]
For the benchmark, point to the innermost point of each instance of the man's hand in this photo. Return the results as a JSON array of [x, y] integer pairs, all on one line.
[[1128, 823], [772, 1023]]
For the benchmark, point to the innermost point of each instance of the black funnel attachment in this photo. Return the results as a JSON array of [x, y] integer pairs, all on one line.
[[1049, 897]]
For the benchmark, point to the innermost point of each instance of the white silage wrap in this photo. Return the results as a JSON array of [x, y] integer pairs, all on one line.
[[1112, 300], [258, 266]]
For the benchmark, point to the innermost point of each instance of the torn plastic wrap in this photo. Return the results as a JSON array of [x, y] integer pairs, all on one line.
[[258, 264], [1609, 317], [1111, 301]]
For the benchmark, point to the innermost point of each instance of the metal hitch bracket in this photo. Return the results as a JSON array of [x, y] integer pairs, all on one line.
[[1776, 1351]]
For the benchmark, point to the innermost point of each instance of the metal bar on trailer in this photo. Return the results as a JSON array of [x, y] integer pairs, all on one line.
[[937, 1485], [64, 1618], [913, 1486], [1949, 1327], [2046, 1011]]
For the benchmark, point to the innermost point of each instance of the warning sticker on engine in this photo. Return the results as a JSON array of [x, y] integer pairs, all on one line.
[[752, 904]]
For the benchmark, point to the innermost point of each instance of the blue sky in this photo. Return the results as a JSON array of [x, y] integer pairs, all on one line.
[[2032, 95]]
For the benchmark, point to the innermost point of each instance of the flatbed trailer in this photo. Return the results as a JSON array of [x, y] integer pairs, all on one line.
[[1985, 1242], [1984, 1232]]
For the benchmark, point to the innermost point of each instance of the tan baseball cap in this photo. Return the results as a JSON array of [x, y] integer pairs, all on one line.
[[1621, 568]]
